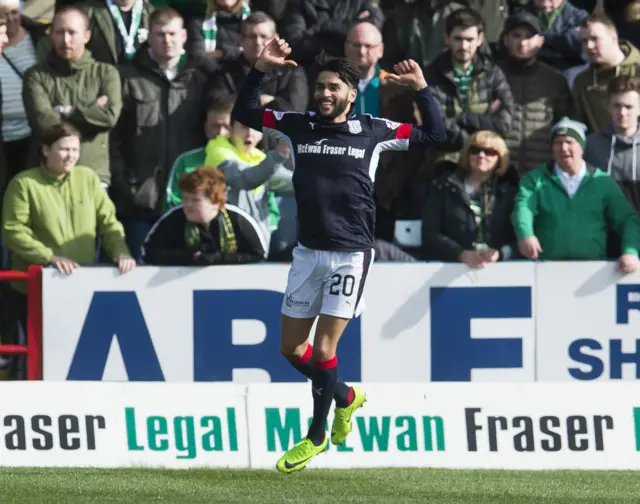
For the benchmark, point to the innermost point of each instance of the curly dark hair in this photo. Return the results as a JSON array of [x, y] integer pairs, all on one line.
[[346, 69]]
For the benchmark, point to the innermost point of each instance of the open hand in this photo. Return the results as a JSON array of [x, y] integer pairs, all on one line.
[[408, 73], [275, 54]]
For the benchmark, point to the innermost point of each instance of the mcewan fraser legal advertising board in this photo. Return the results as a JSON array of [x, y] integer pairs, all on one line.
[[122, 425], [524, 426], [184, 425]]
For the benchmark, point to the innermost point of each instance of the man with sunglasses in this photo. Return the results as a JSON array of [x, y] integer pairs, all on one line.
[[565, 208]]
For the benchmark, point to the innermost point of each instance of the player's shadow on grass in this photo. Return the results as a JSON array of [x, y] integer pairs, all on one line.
[[599, 281], [418, 306]]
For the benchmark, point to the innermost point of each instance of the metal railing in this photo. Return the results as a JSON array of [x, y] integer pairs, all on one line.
[[33, 348]]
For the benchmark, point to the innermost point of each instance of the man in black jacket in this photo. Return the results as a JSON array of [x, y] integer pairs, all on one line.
[[205, 230], [311, 26], [162, 116], [282, 88], [472, 91]]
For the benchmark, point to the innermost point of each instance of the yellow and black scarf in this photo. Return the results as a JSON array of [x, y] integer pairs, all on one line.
[[226, 234]]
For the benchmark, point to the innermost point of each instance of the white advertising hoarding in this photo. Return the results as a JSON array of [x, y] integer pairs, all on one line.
[[88, 424], [475, 426], [588, 322], [424, 322], [537, 426]]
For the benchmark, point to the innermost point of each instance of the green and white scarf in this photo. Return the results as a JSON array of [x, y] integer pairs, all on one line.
[[210, 27], [128, 38]]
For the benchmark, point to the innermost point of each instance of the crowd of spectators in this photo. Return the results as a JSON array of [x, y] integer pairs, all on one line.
[[118, 144]]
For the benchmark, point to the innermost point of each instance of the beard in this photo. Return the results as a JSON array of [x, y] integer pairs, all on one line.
[[340, 105]]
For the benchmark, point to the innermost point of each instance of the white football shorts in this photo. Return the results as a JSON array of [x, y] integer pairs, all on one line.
[[331, 283]]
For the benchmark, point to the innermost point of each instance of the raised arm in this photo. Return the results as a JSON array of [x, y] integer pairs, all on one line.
[[247, 108], [408, 73]]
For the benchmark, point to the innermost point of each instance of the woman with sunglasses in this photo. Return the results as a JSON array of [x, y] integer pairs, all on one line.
[[468, 210]]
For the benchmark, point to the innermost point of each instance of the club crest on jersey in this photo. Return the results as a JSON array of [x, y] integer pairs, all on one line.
[[354, 127]]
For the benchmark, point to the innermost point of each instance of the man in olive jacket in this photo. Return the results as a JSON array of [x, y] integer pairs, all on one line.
[[71, 86], [162, 117]]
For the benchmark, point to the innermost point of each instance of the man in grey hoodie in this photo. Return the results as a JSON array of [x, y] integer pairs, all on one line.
[[616, 147]]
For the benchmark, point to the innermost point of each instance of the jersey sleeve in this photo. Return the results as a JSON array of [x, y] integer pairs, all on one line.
[[276, 123], [391, 135]]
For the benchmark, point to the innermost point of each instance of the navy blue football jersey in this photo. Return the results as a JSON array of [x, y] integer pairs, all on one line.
[[335, 164]]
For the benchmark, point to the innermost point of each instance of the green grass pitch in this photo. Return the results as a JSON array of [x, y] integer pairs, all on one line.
[[388, 486]]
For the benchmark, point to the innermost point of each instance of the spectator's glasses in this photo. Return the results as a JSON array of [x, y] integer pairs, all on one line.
[[474, 150], [366, 47]]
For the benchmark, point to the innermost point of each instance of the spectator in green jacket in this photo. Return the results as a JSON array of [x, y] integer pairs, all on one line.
[[53, 214], [565, 209], [71, 86]]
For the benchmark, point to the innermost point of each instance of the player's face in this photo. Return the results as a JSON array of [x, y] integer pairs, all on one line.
[[464, 43], [244, 138], [332, 96], [217, 123], [198, 208], [625, 109], [523, 43]]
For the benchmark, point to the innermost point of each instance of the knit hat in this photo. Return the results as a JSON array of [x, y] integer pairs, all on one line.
[[569, 127]]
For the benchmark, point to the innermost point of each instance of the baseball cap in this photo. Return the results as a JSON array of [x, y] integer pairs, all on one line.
[[522, 18]]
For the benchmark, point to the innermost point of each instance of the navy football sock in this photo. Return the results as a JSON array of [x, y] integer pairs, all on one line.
[[323, 385], [343, 394]]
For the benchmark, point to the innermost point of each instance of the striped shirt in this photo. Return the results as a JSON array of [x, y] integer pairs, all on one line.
[[14, 118]]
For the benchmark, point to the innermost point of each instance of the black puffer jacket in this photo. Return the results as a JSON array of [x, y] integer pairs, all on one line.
[[449, 226], [488, 85]]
